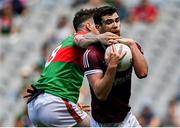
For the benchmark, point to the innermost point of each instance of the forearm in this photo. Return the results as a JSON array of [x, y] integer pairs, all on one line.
[[84, 40], [104, 86], [139, 62]]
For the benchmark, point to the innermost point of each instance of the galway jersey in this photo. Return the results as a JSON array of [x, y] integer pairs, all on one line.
[[116, 107], [62, 75]]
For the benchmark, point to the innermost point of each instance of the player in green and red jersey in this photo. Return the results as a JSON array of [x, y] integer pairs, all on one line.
[[53, 101]]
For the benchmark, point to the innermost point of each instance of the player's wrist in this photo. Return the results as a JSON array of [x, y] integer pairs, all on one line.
[[132, 44], [112, 66], [99, 38]]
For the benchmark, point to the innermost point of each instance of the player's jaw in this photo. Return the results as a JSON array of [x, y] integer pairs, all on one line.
[[113, 30], [117, 32]]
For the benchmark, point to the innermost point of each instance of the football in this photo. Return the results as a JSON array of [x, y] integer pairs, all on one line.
[[126, 61]]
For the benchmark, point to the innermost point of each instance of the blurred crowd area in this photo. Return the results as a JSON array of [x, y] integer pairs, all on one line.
[[31, 29]]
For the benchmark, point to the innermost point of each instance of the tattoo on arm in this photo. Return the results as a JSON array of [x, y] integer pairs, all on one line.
[[85, 40]]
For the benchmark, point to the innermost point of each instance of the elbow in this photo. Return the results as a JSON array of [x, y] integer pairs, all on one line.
[[142, 75]]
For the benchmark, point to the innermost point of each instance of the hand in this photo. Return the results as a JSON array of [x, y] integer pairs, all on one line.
[[106, 37], [127, 41], [85, 108], [30, 91], [115, 56]]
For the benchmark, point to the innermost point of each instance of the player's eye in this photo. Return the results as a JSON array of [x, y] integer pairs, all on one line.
[[117, 20], [110, 21]]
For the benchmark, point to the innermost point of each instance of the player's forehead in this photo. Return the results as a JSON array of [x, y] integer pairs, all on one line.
[[108, 17]]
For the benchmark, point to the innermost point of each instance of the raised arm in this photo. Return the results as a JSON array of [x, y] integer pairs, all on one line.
[[139, 62], [85, 39]]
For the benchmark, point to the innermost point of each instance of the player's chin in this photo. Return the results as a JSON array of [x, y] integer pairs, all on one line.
[[117, 32]]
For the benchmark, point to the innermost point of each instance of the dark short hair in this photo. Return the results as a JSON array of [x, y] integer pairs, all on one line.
[[103, 11], [81, 16]]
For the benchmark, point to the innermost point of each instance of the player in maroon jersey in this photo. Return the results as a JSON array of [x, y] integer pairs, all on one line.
[[111, 89]]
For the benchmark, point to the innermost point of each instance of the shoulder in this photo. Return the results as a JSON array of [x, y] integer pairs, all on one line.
[[93, 59], [68, 42], [94, 52], [93, 48]]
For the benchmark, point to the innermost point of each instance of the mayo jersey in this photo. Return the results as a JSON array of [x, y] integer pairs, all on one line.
[[62, 75]]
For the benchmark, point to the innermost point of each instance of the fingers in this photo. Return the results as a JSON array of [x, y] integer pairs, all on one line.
[[123, 53], [85, 108], [108, 38], [113, 47], [79, 105], [117, 54], [83, 105], [110, 35], [126, 41], [113, 41], [114, 37], [30, 91], [27, 96]]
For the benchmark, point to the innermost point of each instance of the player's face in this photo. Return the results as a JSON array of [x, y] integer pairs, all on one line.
[[111, 23]]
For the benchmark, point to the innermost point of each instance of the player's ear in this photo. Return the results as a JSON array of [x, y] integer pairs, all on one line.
[[89, 26]]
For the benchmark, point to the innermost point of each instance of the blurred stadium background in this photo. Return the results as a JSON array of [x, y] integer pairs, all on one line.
[[34, 27]]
